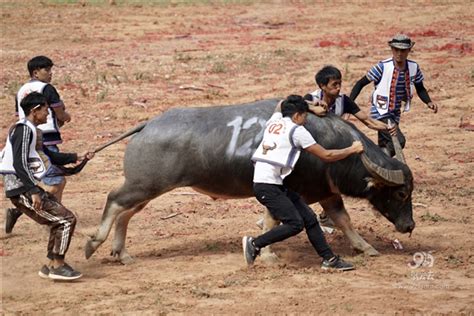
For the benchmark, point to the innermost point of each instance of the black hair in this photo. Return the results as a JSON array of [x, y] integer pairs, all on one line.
[[31, 101], [327, 73], [293, 104], [308, 97], [39, 62]]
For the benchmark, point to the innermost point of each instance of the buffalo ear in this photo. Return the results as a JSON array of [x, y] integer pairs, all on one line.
[[373, 183]]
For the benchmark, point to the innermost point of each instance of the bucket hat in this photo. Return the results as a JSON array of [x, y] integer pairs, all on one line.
[[401, 41]]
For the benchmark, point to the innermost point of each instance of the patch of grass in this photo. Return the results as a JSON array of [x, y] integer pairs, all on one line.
[[218, 68], [101, 78], [142, 76], [214, 94], [432, 217], [125, 114], [359, 261], [281, 52], [247, 61], [67, 79], [200, 292], [212, 247], [348, 307], [13, 87], [102, 95], [120, 78], [185, 58], [465, 220], [346, 71], [452, 260]]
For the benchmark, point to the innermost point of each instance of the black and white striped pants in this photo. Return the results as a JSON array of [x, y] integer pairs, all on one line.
[[53, 214]]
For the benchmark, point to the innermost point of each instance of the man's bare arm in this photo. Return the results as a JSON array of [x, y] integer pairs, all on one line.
[[330, 155]]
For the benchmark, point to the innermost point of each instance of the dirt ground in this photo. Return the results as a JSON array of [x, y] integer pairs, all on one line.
[[119, 65]]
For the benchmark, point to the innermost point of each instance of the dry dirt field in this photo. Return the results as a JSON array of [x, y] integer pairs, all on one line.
[[120, 65]]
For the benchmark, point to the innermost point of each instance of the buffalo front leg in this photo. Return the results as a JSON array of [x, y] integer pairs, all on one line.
[[266, 254], [334, 208], [121, 225]]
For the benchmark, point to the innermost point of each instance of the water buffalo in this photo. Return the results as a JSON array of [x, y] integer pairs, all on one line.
[[209, 149]]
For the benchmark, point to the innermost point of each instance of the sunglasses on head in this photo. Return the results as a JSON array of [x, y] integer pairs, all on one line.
[[37, 106]]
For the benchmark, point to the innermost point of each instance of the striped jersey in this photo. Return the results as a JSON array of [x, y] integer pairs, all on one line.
[[375, 75]]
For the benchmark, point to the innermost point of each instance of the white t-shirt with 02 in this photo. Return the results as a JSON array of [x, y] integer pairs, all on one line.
[[267, 172]]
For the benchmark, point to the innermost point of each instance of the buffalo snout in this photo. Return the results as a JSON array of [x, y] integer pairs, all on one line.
[[405, 226]]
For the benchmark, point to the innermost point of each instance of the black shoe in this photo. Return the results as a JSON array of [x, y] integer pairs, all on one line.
[[44, 272], [250, 251], [12, 216], [64, 273], [336, 263]]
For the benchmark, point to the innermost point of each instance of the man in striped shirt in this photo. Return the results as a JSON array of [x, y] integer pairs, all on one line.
[[395, 79]]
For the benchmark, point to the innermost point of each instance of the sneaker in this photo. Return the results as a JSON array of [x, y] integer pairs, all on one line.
[[12, 216], [325, 221], [336, 263], [44, 272], [64, 272], [250, 251]]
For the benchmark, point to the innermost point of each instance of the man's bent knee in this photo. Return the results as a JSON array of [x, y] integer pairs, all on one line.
[[296, 226]]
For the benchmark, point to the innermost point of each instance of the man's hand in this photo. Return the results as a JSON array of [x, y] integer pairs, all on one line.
[[357, 147], [67, 117], [433, 106], [318, 107], [392, 129], [37, 202], [87, 154], [61, 115]]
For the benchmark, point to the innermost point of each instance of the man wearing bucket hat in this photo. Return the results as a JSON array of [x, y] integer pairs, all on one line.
[[395, 79]]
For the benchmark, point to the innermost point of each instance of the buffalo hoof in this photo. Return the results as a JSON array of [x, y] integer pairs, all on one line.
[[126, 259], [91, 247], [371, 252], [123, 256], [269, 258]]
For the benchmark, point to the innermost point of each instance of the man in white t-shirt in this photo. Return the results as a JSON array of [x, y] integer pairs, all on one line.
[[275, 158]]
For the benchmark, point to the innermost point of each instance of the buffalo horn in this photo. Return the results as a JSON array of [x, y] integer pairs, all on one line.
[[397, 147], [398, 150], [387, 176]]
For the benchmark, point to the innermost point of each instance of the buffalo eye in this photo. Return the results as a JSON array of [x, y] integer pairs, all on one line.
[[400, 195]]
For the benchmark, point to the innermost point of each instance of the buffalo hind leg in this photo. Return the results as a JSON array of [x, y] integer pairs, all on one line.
[[334, 208], [121, 225], [266, 254], [119, 201]]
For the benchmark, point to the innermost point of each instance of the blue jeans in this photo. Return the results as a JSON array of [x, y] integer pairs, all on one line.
[[289, 208], [54, 175]]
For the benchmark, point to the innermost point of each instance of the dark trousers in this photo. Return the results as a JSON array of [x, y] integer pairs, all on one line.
[[60, 220], [385, 139], [289, 208]]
